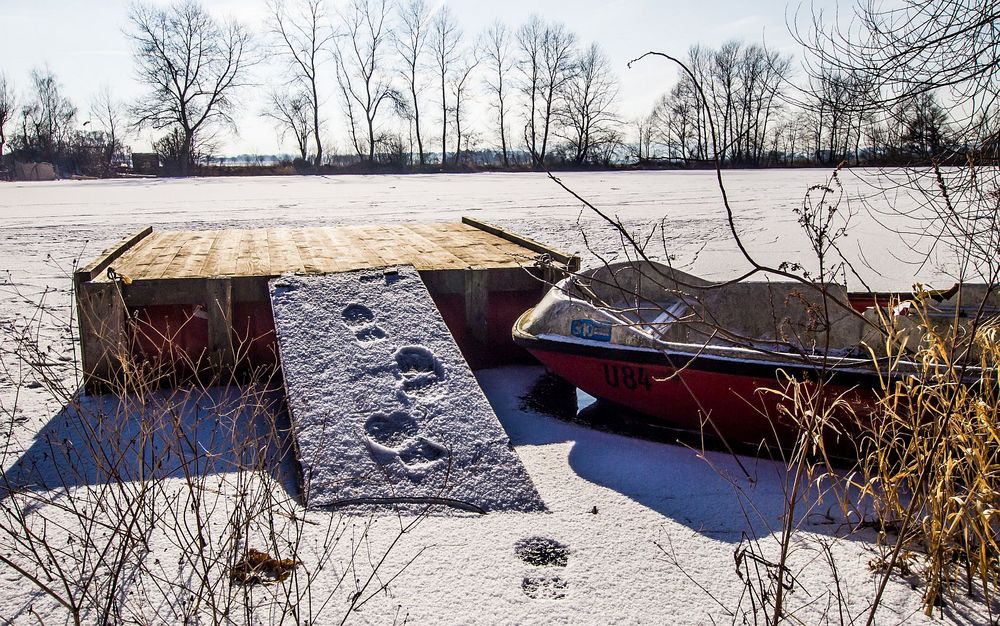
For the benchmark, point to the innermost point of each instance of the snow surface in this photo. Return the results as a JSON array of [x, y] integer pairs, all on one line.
[[669, 519], [383, 406]]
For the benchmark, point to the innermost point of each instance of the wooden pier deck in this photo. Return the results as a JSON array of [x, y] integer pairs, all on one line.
[[197, 301]]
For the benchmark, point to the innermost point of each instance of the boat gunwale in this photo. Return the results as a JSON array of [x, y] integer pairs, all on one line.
[[694, 359]]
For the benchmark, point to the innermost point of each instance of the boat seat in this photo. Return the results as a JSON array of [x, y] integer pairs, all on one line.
[[659, 318]]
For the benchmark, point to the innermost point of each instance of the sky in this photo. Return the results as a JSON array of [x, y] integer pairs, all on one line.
[[83, 43]]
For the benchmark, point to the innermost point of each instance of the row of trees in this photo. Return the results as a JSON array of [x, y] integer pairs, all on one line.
[[45, 126], [407, 80], [406, 76], [762, 119]]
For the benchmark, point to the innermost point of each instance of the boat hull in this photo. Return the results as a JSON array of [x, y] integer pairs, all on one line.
[[726, 400]]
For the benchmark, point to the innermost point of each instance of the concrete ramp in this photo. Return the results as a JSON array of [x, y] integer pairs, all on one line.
[[384, 408]]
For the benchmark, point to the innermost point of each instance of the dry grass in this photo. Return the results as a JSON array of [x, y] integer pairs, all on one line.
[[155, 502], [932, 456]]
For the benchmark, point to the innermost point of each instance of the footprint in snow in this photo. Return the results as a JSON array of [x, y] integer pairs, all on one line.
[[542, 551], [391, 430], [369, 335], [357, 315], [361, 319], [419, 368], [544, 587], [421, 452]]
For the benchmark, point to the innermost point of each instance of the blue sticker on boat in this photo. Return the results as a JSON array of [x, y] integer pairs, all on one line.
[[589, 329]]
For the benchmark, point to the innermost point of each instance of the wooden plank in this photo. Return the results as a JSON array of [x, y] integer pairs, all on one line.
[[159, 257], [285, 257], [492, 249], [100, 264], [455, 238], [175, 291], [346, 251], [135, 258], [260, 254], [569, 260], [361, 237], [327, 413], [324, 259], [310, 263], [243, 253], [431, 254], [270, 252], [476, 248], [103, 345], [221, 259], [275, 254], [477, 304], [389, 246], [190, 264]]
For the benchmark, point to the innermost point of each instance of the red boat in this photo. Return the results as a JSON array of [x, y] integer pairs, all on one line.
[[697, 355]]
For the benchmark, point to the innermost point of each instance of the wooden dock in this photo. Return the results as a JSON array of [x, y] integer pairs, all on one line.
[[193, 302]]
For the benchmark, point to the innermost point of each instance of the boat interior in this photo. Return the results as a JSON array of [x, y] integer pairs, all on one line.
[[791, 318]]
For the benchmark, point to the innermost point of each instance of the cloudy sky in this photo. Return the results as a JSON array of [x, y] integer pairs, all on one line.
[[82, 41]]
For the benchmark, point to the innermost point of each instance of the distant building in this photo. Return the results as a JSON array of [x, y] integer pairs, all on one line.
[[147, 163]]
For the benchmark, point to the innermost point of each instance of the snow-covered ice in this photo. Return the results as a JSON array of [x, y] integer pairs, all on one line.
[[660, 546]]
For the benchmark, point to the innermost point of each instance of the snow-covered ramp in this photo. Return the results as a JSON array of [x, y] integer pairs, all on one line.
[[384, 408]]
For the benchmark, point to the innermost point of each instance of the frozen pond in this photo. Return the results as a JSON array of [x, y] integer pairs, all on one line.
[[70, 219], [646, 532]]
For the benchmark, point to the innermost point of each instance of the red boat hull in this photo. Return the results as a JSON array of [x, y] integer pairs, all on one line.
[[726, 405]]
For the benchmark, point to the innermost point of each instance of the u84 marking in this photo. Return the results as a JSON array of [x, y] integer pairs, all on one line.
[[626, 376]]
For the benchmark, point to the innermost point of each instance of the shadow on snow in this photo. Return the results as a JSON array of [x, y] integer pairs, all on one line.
[[714, 493], [177, 433]]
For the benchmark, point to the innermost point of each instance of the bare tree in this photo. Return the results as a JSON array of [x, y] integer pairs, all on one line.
[[558, 67], [192, 65], [411, 43], [675, 120], [444, 47], [304, 34], [46, 118], [743, 87], [8, 104], [362, 75], [293, 113], [530, 41], [546, 66], [643, 147], [500, 60], [926, 124], [460, 83], [109, 113], [587, 114]]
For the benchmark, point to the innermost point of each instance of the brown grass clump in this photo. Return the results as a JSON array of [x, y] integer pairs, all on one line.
[[258, 568], [931, 456]]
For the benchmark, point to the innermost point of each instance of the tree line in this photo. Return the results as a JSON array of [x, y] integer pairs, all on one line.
[[412, 90]]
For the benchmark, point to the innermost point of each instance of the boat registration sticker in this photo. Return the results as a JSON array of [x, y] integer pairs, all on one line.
[[589, 329]]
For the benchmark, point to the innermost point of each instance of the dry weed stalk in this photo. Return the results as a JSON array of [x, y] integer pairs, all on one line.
[[138, 506]]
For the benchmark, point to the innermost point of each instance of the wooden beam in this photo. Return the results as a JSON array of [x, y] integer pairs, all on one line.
[[101, 263], [219, 304], [572, 262], [174, 291], [477, 302]]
